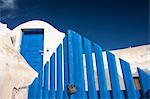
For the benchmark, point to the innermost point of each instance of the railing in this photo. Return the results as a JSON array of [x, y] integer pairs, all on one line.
[[70, 83]]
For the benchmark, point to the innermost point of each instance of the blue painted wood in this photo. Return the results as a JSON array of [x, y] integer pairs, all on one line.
[[22, 43], [90, 72], [52, 76], [104, 93], [73, 69], [70, 55], [30, 91], [45, 89], [40, 77], [128, 79], [78, 68], [66, 68], [144, 78], [30, 51], [138, 93], [113, 76], [59, 73], [33, 90]]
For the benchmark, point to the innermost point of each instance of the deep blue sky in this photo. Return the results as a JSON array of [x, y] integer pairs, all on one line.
[[111, 23]]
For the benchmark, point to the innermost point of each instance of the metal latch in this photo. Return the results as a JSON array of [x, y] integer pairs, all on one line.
[[41, 52], [71, 88]]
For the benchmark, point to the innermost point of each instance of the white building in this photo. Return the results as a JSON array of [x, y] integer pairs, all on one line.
[[49, 38]]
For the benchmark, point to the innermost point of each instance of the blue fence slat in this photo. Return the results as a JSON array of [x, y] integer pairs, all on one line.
[[90, 72], [78, 68], [52, 76], [144, 82], [33, 89], [74, 73], [59, 72], [138, 93], [40, 76], [66, 68], [45, 89], [116, 93], [30, 90], [35, 92], [128, 79], [104, 93], [70, 55]]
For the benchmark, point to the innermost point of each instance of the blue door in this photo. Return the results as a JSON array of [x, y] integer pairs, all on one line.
[[32, 48]]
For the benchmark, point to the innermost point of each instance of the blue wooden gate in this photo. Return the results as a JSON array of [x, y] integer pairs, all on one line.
[[71, 82]]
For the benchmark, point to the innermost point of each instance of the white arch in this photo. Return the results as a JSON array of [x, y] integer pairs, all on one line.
[[52, 37]]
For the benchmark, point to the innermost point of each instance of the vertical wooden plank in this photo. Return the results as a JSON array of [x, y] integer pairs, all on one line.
[[66, 68], [29, 92], [70, 55], [59, 72], [78, 68], [32, 91], [128, 79], [116, 93], [35, 88], [52, 76], [40, 76], [90, 72], [104, 93], [45, 89], [138, 93], [144, 78], [70, 58]]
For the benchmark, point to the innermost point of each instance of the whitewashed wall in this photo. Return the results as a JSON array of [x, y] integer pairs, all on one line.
[[52, 37], [137, 56], [15, 74]]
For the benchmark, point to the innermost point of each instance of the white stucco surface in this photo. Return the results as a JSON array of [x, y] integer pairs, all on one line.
[[15, 73], [52, 37], [138, 56]]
